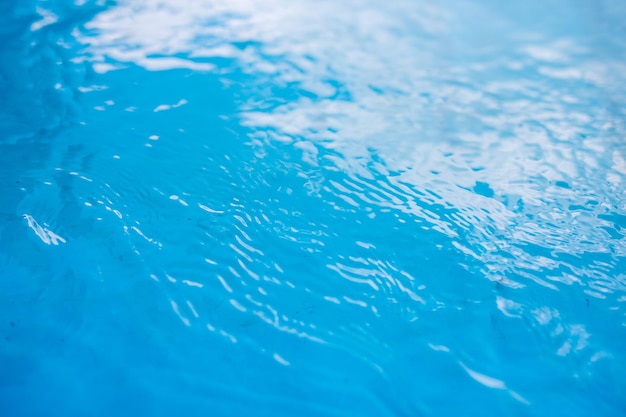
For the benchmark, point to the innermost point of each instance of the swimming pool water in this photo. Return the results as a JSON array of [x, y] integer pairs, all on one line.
[[357, 208]]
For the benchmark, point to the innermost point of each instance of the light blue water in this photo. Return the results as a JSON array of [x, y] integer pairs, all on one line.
[[312, 208]]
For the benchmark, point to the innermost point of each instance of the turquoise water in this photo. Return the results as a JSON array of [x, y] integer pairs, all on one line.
[[357, 208]]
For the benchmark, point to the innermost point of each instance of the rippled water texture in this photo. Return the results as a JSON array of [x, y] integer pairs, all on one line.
[[313, 208]]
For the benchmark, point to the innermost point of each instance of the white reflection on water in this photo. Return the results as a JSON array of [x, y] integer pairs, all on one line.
[[509, 123]]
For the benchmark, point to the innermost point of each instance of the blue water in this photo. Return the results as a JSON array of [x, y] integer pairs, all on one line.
[[312, 208]]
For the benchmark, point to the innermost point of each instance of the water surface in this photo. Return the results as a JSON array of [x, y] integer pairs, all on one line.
[[313, 208]]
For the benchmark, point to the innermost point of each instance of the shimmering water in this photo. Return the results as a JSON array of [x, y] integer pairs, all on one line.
[[294, 208]]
